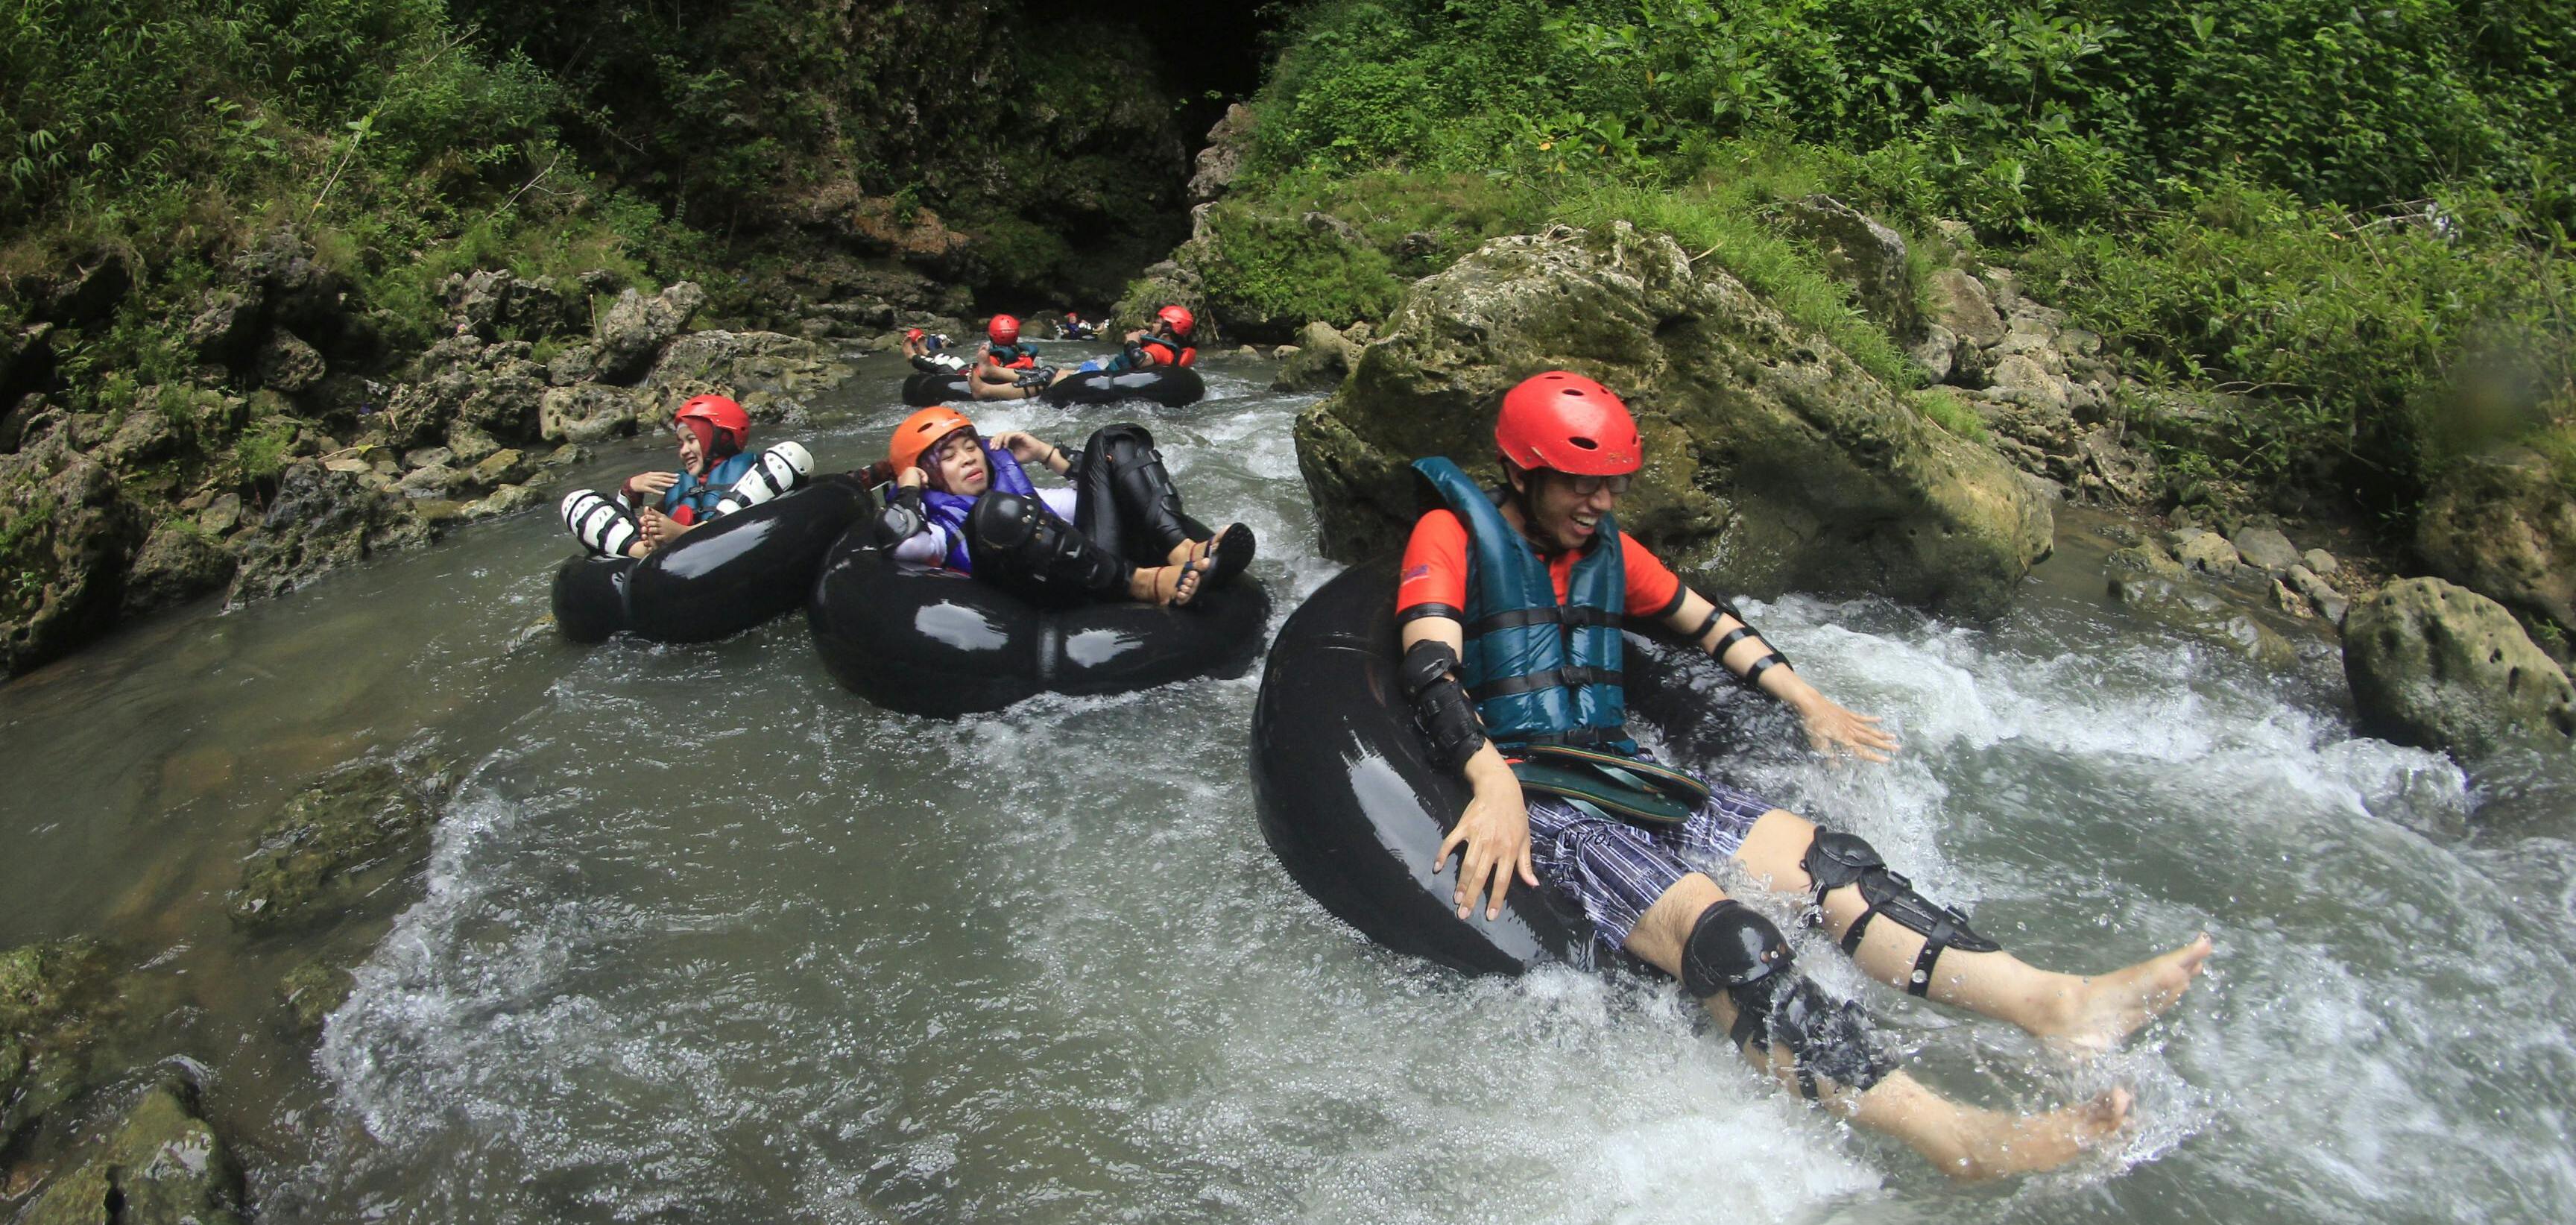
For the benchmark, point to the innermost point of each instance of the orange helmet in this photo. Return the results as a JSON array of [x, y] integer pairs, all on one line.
[[922, 431]]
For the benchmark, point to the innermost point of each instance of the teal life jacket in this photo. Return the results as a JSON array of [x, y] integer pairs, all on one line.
[[1539, 672], [690, 500]]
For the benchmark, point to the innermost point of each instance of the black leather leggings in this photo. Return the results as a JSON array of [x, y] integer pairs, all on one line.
[[1126, 515]]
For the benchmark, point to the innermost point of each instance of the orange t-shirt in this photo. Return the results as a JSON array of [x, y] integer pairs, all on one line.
[[1435, 570]]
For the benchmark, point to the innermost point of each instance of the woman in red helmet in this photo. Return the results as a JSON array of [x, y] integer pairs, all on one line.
[[1510, 607], [718, 474], [1002, 347], [1166, 343], [962, 501]]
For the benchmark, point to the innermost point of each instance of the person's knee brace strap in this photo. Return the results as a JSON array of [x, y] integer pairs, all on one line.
[[1735, 950], [1440, 706], [1043, 547], [1836, 859]]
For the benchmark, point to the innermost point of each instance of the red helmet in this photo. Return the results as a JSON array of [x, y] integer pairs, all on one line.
[[716, 417], [922, 431], [912, 333], [1179, 317], [1567, 423], [1004, 329]]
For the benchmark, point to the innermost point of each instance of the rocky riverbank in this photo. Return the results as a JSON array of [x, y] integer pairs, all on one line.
[[281, 457]]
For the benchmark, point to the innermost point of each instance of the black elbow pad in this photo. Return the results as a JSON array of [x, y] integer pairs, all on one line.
[[1440, 705]]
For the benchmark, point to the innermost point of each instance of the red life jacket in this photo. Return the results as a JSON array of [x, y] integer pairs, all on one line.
[[1157, 351]]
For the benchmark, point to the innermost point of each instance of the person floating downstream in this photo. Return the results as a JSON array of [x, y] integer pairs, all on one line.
[[962, 501], [1166, 343], [1002, 346], [1509, 608], [1078, 328], [927, 351], [718, 474]]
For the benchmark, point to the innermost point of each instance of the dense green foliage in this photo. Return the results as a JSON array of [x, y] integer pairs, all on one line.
[[2345, 227]]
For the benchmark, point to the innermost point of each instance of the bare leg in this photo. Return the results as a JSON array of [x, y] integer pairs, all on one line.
[[2074, 1013], [1961, 1141]]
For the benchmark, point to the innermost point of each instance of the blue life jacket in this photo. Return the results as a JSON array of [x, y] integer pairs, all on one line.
[[698, 497], [1539, 672], [1018, 356], [949, 511]]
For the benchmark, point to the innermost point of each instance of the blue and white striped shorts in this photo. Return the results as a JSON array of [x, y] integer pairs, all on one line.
[[1616, 870]]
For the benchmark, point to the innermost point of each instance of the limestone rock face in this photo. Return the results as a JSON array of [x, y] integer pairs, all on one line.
[[175, 564], [320, 519], [289, 365], [585, 412], [2441, 666], [1863, 254], [1218, 163], [2504, 527], [635, 329], [1772, 461], [76, 531]]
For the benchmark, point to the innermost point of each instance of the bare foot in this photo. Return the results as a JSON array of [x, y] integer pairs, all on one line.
[[1992, 1144], [2108, 1007], [1166, 586]]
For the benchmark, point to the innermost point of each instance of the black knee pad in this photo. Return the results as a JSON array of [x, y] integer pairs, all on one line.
[[1005, 522], [1737, 951], [1836, 859]]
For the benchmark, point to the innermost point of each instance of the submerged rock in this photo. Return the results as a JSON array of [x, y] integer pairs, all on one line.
[[337, 843], [1772, 461], [2192, 610], [53, 998], [312, 992], [2440, 666], [164, 1165]]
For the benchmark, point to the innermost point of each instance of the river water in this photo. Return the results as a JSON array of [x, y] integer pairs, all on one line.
[[705, 937]]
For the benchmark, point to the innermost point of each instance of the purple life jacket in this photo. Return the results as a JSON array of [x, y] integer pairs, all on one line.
[[948, 511]]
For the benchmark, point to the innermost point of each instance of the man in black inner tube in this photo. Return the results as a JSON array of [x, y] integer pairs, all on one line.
[[1166, 343], [1530, 712]]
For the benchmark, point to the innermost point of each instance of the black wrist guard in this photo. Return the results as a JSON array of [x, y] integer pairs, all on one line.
[[901, 520], [1440, 705]]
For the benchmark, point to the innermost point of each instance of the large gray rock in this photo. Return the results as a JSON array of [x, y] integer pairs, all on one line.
[[2440, 666], [2502, 526], [1863, 254], [289, 365], [740, 363], [633, 331], [1773, 462], [1960, 303], [2265, 549], [162, 1166]]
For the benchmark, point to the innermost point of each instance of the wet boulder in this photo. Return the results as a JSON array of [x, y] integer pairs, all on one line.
[[2440, 666], [1773, 462], [337, 845], [53, 998], [2171, 599], [2504, 527], [163, 1165], [746, 362]]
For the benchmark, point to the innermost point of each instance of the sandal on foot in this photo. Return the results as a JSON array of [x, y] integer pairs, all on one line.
[[1230, 552]]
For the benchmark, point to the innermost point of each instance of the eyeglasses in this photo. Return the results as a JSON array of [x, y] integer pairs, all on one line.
[[1586, 486]]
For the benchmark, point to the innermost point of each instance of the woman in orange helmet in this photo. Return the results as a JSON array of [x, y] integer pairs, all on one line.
[[962, 501]]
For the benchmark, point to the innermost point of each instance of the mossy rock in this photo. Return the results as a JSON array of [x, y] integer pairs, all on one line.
[[312, 992], [1774, 462], [2438, 665], [335, 845], [52, 1000], [163, 1166]]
